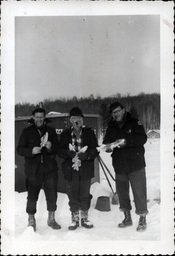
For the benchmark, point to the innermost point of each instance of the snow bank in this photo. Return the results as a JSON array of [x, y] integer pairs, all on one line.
[[105, 223]]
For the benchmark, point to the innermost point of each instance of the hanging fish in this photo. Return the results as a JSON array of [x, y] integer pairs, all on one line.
[[116, 144], [44, 139], [76, 161]]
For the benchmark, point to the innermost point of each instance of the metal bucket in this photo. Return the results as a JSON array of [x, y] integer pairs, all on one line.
[[103, 204]]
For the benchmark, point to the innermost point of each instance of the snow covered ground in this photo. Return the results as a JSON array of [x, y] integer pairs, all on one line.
[[105, 223]]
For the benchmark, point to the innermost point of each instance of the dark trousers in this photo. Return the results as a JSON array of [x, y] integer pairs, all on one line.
[[79, 193], [137, 180], [49, 184]]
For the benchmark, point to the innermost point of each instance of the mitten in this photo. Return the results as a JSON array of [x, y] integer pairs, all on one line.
[[82, 156], [71, 153]]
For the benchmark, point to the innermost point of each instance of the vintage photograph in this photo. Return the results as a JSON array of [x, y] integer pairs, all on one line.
[[89, 104]]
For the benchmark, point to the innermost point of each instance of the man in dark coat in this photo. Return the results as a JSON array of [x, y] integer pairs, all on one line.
[[78, 148], [38, 144], [128, 162]]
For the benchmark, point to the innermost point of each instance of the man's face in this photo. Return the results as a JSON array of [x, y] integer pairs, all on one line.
[[77, 122], [39, 119], [118, 114]]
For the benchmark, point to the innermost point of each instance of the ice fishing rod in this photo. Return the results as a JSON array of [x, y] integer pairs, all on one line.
[[101, 160]]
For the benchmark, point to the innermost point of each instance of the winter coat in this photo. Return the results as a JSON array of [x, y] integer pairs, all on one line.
[[130, 157], [30, 138], [87, 166]]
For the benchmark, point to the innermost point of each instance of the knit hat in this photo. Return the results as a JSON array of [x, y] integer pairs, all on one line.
[[75, 112], [115, 105], [38, 110]]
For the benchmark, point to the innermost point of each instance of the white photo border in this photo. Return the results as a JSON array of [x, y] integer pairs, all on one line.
[[11, 9]]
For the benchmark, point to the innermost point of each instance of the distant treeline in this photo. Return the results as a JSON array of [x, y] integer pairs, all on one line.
[[146, 107]]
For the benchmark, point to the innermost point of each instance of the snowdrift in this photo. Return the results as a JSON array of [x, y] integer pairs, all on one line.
[[105, 223]]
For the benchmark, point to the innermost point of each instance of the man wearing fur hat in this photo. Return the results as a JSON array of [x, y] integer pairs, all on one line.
[[38, 144], [128, 162], [78, 148]]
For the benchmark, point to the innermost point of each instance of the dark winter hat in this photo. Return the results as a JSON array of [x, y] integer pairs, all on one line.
[[115, 105], [38, 110], [75, 112]]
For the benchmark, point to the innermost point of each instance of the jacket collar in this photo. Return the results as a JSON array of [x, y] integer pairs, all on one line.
[[46, 121]]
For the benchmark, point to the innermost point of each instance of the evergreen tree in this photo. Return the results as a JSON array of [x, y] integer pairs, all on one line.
[[145, 107]]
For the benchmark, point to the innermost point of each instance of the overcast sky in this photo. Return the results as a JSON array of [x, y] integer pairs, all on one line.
[[83, 55]]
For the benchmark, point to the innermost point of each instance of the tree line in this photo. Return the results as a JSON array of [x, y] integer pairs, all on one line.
[[145, 107]]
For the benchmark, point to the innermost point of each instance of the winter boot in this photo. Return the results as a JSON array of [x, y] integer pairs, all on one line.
[[75, 221], [31, 221], [51, 221], [142, 223], [127, 220], [84, 220]]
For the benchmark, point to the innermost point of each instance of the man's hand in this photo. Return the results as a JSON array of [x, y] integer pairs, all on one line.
[[109, 150], [48, 145], [71, 153], [82, 156], [36, 150], [122, 143]]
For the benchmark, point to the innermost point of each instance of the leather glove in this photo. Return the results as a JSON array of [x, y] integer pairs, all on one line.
[[82, 156], [71, 153]]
